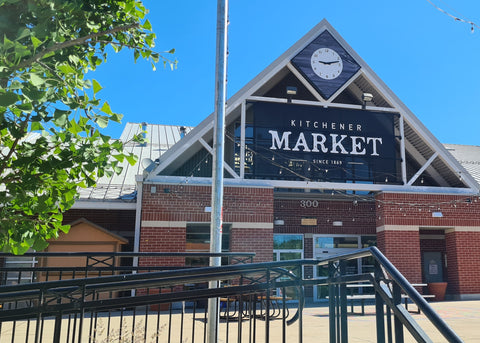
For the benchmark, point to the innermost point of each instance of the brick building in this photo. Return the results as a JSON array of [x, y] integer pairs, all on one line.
[[321, 157]]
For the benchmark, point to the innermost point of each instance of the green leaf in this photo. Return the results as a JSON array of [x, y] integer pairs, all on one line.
[[23, 33], [40, 244], [147, 25], [116, 117], [8, 98], [102, 121], [34, 94], [96, 86], [65, 228], [7, 43], [36, 42], [106, 108], [36, 126], [132, 159], [60, 117], [36, 80]]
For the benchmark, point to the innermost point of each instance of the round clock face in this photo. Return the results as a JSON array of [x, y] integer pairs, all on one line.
[[326, 63]]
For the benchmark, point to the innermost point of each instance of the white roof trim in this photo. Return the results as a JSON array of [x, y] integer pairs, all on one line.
[[386, 188], [103, 205]]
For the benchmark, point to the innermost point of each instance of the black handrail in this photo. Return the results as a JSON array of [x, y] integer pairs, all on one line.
[[399, 280], [387, 282]]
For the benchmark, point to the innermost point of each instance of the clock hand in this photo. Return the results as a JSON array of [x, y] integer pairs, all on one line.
[[328, 63]]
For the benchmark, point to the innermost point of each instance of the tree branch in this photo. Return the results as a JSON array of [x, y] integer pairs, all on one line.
[[78, 41]]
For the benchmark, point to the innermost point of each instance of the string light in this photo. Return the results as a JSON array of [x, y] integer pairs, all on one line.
[[368, 198], [456, 18]]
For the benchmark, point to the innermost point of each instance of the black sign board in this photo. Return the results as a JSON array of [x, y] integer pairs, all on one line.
[[299, 142]]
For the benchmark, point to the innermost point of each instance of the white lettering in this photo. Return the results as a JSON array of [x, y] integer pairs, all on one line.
[[320, 142], [301, 141], [338, 144], [374, 144], [333, 143], [276, 139], [357, 146]]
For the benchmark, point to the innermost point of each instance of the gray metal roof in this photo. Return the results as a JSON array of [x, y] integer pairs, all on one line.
[[122, 187], [468, 156]]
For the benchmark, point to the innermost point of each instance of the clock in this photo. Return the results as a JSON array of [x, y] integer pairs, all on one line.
[[326, 63]]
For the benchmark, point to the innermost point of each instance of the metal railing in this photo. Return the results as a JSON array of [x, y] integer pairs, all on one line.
[[258, 302]]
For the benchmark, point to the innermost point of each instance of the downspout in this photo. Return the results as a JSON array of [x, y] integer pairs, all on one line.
[[138, 222]]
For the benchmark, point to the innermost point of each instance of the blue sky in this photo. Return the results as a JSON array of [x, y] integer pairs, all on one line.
[[430, 61]]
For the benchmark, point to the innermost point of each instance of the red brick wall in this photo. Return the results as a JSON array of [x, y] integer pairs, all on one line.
[[463, 262], [258, 240], [402, 248], [463, 255], [158, 239], [357, 218], [186, 203], [416, 209]]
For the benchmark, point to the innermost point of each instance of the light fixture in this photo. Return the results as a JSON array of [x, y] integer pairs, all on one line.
[[437, 214], [366, 97], [337, 223], [279, 222], [183, 131], [291, 91]]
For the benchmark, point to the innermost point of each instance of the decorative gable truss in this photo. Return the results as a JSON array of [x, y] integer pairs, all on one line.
[[422, 162]]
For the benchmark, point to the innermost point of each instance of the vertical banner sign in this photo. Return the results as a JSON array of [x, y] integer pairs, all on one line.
[[297, 142]]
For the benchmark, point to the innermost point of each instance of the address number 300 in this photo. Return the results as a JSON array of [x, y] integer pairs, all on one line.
[[308, 203]]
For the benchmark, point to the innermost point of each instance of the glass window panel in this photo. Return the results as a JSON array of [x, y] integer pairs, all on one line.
[[285, 256], [288, 242], [336, 242]]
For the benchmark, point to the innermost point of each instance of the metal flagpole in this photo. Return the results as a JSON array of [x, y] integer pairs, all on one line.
[[218, 154]]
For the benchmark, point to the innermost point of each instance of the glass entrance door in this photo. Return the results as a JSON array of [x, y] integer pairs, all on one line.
[[288, 247], [328, 246]]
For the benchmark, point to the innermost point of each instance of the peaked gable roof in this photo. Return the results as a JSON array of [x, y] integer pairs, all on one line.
[[422, 155]]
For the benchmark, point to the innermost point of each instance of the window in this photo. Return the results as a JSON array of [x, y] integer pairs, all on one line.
[[288, 242], [198, 240], [288, 247]]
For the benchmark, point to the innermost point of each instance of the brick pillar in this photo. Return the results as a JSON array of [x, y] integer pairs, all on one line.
[[162, 239], [463, 261], [257, 240], [402, 248]]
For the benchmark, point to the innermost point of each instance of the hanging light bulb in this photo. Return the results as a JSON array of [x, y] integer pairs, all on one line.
[[273, 158], [421, 181]]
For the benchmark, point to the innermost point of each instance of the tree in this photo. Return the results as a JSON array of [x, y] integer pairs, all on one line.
[[50, 115]]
